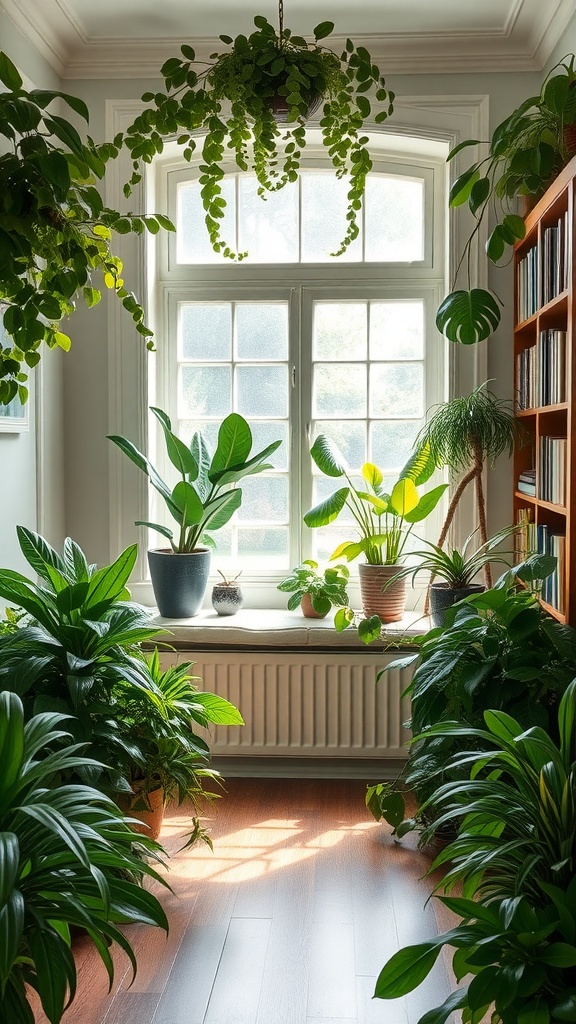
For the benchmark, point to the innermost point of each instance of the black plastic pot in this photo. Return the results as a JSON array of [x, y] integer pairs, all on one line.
[[179, 581], [442, 596]]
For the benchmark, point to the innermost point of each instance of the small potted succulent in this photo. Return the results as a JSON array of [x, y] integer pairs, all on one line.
[[227, 598], [204, 500], [237, 99], [316, 592]]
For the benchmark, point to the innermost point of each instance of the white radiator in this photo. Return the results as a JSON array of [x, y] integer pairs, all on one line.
[[306, 704]]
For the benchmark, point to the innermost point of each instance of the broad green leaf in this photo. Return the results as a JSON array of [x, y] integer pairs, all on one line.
[[41, 556], [11, 930], [55, 970], [180, 455], [536, 1012], [11, 739], [329, 509], [566, 715], [420, 465], [372, 475], [9, 864], [559, 954], [404, 497], [348, 550], [188, 503], [9, 74], [343, 618], [164, 530], [426, 504], [462, 187], [109, 582], [323, 29], [406, 970], [467, 317], [370, 629], [219, 511], [234, 444], [455, 1001], [327, 457], [218, 710]]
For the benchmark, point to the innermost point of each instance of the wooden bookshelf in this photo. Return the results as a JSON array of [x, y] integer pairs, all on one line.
[[545, 385]]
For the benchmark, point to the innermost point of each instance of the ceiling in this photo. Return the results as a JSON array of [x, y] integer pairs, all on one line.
[[130, 38]]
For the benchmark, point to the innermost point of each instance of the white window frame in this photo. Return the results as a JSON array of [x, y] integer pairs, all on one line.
[[444, 118]]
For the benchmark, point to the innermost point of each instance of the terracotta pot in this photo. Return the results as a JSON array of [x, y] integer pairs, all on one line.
[[308, 609], [149, 809], [389, 604]]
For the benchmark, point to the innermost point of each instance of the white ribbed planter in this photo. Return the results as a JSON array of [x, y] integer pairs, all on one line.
[[388, 605]]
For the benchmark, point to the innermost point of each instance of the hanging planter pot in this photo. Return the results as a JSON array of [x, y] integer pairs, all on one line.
[[379, 596], [280, 107]]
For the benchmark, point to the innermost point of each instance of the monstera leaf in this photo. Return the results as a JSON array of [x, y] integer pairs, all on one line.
[[467, 317]]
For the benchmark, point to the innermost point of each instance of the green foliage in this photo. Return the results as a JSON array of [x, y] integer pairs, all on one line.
[[231, 102], [65, 855], [324, 589], [515, 856], [526, 150], [206, 498], [383, 521], [472, 427], [55, 230], [456, 568]]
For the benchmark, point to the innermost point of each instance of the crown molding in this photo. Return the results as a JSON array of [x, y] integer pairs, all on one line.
[[524, 43]]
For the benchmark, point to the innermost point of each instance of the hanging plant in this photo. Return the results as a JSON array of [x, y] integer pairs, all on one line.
[[253, 100], [55, 231]]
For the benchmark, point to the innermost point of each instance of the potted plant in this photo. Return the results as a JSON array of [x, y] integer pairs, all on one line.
[[456, 569], [157, 750], [384, 522], [237, 99], [463, 435], [204, 500], [227, 598], [67, 858], [316, 592], [54, 228], [525, 152]]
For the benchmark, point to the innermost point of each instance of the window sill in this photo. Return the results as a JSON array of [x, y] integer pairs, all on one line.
[[274, 628]]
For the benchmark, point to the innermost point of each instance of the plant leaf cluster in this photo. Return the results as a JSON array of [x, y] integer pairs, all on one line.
[[324, 589], [456, 568], [66, 855], [55, 231], [525, 152], [205, 498], [231, 102]]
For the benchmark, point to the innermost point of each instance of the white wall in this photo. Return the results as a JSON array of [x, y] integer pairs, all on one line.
[[40, 449]]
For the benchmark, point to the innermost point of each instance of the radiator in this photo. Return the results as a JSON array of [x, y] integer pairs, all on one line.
[[306, 705]]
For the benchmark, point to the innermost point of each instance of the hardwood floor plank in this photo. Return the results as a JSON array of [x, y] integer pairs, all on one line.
[[236, 992], [379, 1011]]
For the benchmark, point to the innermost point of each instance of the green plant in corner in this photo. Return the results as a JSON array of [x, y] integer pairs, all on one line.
[[526, 150], [236, 99], [55, 230], [324, 589], [66, 854]]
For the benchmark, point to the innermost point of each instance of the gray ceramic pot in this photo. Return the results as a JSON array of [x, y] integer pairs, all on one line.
[[442, 597], [227, 600], [179, 581]]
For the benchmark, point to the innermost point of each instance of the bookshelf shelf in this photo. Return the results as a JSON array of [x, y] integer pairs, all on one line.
[[545, 388]]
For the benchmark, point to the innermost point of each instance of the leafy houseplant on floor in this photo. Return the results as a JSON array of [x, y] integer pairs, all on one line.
[[316, 592], [54, 228], [383, 521], [526, 151], [66, 856], [236, 100], [204, 500]]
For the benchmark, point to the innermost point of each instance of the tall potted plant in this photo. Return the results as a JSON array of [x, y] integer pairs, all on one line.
[[204, 500], [237, 99], [383, 521]]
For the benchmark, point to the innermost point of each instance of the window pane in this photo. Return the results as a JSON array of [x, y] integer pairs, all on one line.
[[264, 434], [209, 432], [397, 330], [326, 540], [268, 548], [391, 443], [322, 488], [192, 242], [324, 223], [339, 390], [349, 436], [397, 389], [205, 330], [262, 390], [261, 330], [394, 219], [264, 499], [205, 391], [268, 228], [223, 540], [340, 330]]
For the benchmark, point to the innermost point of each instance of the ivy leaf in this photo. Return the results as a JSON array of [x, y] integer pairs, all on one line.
[[325, 28], [9, 73]]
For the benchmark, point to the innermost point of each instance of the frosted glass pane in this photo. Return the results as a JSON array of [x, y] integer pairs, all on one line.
[[326, 540], [205, 391], [223, 540], [322, 488], [264, 499], [262, 390], [261, 330], [205, 331], [397, 389], [269, 548], [397, 330], [339, 390], [209, 432], [391, 443], [264, 434], [349, 436], [192, 242], [340, 330], [394, 219], [268, 228], [324, 221]]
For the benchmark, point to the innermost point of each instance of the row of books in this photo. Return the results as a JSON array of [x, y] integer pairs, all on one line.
[[543, 272], [541, 371], [531, 539], [527, 482], [552, 469]]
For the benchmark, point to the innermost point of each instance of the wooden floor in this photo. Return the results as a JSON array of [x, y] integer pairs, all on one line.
[[288, 922]]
